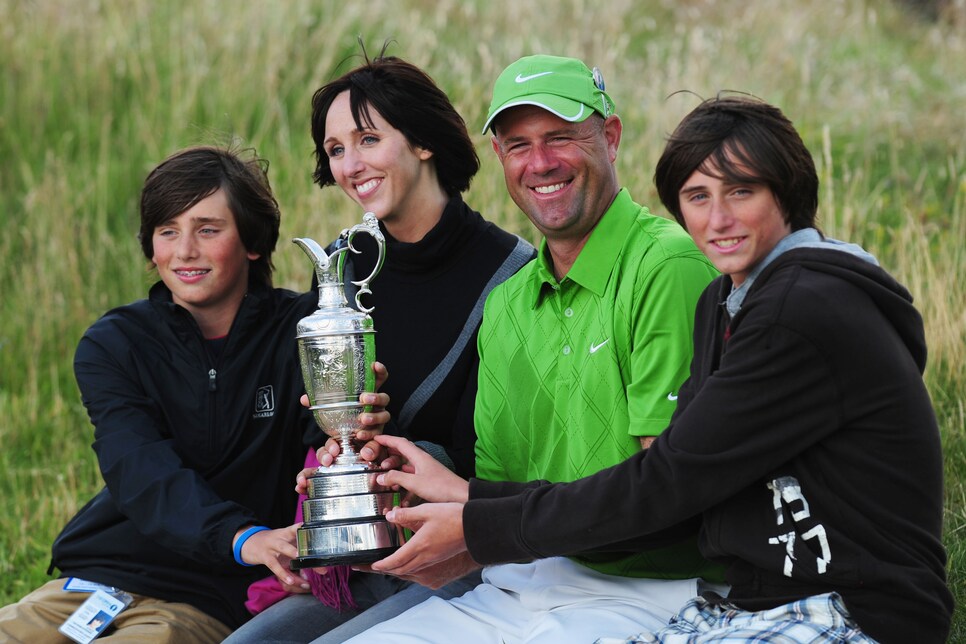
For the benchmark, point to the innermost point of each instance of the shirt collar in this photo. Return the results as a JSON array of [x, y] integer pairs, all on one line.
[[594, 263]]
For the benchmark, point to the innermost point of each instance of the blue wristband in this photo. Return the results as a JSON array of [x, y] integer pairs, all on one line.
[[241, 541]]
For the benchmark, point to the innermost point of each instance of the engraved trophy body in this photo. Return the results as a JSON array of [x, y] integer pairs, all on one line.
[[343, 514]]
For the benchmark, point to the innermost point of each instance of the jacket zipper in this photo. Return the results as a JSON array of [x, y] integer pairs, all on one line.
[[213, 377]]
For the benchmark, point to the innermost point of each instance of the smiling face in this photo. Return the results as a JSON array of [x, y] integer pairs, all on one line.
[[379, 169], [735, 225], [202, 260], [560, 174]]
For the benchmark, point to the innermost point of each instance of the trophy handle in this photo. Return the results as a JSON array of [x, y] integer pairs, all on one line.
[[369, 225]]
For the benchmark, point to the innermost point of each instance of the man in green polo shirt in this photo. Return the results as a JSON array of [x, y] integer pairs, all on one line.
[[582, 353]]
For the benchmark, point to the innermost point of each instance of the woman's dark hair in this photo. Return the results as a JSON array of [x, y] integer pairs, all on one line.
[[190, 175], [408, 99], [741, 139]]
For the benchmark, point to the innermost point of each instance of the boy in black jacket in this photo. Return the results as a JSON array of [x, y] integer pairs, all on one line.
[[194, 397], [804, 438]]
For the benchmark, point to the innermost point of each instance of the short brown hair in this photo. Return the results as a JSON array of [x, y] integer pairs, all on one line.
[[742, 140], [190, 175]]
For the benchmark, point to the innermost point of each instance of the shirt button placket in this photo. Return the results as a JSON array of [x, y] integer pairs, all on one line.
[[568, 313], [566, 323]]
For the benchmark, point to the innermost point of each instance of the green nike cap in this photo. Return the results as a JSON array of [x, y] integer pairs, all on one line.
[[565, 87]]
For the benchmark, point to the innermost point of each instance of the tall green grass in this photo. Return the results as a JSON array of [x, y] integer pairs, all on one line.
[[94, 93]]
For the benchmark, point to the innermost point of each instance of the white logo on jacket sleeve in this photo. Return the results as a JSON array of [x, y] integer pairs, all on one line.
[[787, 493], [264, 402]]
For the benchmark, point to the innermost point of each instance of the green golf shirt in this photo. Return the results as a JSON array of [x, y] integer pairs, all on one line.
[[574, 372]]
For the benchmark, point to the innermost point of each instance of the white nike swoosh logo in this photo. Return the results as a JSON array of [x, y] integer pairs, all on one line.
[[523, 79], [594, 347], [672, 397]]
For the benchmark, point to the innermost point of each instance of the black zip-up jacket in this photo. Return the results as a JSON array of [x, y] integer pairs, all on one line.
[[805, 439], [192, 447]]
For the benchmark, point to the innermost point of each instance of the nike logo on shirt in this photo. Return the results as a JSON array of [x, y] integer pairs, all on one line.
[[595, 347]]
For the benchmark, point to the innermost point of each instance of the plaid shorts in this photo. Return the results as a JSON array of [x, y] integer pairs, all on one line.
[[813, 620]]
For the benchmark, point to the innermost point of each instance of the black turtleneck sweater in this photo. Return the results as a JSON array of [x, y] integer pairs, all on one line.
[[428, 297]]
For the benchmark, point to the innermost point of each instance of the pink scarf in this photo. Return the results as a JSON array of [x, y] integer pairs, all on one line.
[[332, 588]]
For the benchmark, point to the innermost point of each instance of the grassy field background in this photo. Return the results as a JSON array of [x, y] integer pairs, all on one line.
[[95, 93]]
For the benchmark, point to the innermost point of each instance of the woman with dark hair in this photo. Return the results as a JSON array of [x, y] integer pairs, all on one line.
[[391, 139]]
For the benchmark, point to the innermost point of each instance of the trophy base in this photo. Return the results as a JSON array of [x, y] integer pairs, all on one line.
[[340, 542], [321, 561]]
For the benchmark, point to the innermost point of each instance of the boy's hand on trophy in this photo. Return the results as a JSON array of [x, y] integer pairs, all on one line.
[[301, 586], [274, 549], [435, 575], [436, 545], [421, 474]]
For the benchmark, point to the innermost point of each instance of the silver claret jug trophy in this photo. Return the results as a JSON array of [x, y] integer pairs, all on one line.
[[343, 514]]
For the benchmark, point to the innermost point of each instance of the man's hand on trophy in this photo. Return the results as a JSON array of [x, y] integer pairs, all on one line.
[[272, 548], [421, 475]]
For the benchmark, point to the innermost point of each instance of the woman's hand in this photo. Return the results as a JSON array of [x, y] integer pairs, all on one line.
[[372, 423], [301, 480]]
